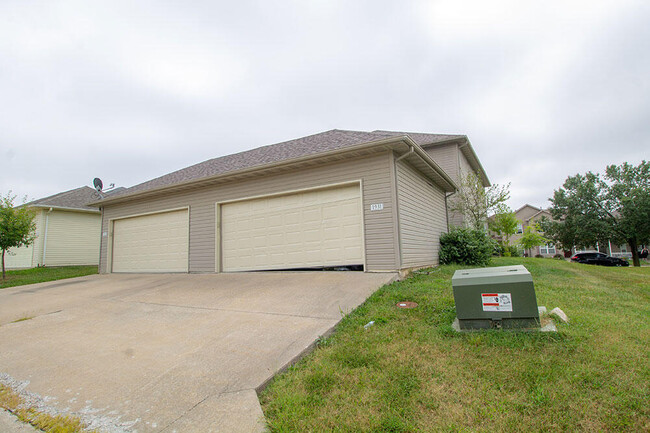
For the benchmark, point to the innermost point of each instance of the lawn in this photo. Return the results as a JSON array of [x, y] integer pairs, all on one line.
[[412, 372], [41, 275]]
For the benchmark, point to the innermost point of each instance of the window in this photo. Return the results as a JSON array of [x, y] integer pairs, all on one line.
[[547, 249], [520, 229], [623, 248]]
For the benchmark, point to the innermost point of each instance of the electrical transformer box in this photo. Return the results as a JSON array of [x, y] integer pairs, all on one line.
[[502, 297]]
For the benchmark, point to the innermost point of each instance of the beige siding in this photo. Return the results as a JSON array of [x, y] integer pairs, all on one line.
[[421, 217], [463, 165], [16, 258], [373, 171], [72, 238], [446, 156], [26, 257]]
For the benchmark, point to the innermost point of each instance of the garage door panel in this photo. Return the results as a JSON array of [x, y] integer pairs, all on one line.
[[316, 228], [151, 243]]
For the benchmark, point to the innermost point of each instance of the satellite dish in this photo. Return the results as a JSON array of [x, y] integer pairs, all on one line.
[[97, 182]]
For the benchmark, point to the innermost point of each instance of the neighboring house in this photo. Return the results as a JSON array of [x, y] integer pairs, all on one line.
[[67, 232], [371, 200], [455, 155], [529, 215]]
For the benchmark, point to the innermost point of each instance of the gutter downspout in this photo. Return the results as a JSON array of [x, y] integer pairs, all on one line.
[[447, 208], [47, 220], [399, 236]]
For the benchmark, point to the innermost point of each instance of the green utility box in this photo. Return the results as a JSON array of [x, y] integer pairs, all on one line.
[[502, 297]]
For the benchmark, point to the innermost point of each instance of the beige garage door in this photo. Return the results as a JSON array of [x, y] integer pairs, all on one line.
[[309, 229], [151, 243]]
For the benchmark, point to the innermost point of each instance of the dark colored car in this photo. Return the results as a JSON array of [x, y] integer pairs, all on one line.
[[598, 259]]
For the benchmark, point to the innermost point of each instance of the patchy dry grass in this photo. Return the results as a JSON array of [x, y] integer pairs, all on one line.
[[41, 275], [411, 372], [12, 402]]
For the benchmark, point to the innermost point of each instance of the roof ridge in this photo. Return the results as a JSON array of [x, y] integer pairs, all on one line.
[[59, 194]]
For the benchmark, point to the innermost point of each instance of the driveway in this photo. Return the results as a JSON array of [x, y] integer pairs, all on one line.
[[167, 353]]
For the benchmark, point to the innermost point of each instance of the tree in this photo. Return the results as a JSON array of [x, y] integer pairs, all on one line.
[[589, 209], [504, 224], [532, 238], [16, 226], [475, 202]]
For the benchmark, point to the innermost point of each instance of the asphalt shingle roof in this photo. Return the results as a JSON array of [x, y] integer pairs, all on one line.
[[300, 147], [74, 199], [77, 198]]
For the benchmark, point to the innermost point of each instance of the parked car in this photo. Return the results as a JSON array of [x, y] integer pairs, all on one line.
[[596, 258]]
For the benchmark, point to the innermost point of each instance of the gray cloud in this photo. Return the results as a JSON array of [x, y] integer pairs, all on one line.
[[129, 91]]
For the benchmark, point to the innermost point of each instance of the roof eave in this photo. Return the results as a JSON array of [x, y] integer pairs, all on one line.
[[72, 209]]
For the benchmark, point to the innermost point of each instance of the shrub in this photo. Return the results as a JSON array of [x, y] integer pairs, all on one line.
[[559, 256], [539, 256], [514, 251], [466, 247]]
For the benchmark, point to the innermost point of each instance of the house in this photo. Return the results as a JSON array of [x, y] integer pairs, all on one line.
[[67, 232], [529, 215], [367, 200], [455, 155]]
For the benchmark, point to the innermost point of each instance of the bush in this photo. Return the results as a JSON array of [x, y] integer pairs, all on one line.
[[466, 247], [539, 256], [559, 256], [514, 251]]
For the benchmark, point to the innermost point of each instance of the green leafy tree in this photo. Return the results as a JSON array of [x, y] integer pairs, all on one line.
[[504, 224], [532, 237], [16, 226], [475, 202], [615, 207]]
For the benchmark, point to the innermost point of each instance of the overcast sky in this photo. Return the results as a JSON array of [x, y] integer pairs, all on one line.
[[128, 91]]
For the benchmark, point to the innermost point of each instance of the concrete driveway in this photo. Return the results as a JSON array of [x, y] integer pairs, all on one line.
[[167, 353]]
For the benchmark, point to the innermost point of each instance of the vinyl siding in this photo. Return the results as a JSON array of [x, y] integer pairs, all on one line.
[[17, 258], [26, 257], [446, 156], [421, 217], [463, 165], [72, 238], [373, 171]]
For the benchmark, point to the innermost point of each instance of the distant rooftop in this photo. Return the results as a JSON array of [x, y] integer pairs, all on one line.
[[77, 198]]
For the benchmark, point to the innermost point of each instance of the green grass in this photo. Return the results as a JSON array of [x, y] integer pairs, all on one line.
[[411, 372], [41, 275]]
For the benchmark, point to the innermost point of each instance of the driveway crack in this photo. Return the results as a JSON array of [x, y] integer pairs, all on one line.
[[161, 304]]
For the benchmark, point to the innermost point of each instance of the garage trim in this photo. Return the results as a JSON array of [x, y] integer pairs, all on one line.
[[218, 247], [111, 225]]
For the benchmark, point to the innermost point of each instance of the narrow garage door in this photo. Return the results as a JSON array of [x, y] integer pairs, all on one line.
[[151, 243], [308, 229]]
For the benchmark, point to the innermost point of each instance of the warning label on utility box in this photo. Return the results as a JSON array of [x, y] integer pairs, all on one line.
[[496, 301]]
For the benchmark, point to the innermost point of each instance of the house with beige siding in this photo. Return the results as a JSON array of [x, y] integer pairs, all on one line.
[[530, 215], [67, 232], [456, 156], [374, 201]]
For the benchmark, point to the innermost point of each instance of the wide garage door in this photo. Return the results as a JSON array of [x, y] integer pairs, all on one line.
[[307, 229], [151, 243]]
